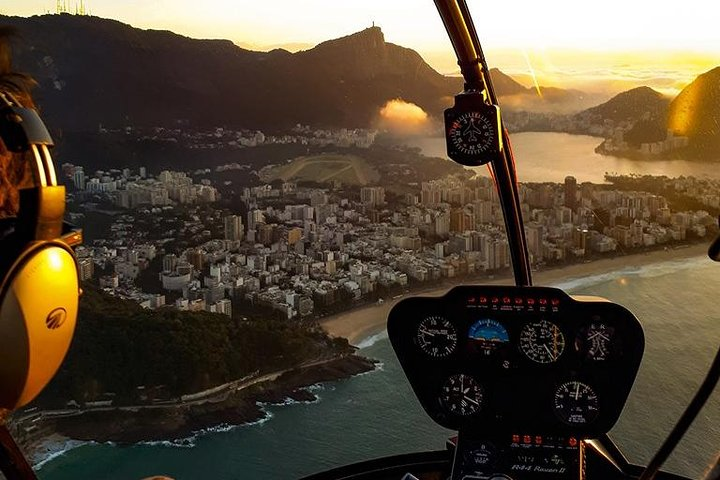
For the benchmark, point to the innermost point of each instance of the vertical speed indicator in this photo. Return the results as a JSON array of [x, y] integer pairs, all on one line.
[[436, 336]]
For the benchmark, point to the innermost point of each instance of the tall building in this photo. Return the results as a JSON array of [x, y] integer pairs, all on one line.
[[233, 227], [373, 196], [571, 193], [79, 178]]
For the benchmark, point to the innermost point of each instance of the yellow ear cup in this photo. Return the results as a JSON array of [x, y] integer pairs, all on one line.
[[37, 319]]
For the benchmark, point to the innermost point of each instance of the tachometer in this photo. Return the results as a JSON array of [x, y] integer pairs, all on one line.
[[576, 403], [595, 341], [542, 342], [436, 336], [461, 395]]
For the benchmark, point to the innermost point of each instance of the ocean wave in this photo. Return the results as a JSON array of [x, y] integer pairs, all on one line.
[[646, 271], [187, 442], [372, 340], [54, 450], [291, 401], [379, 367]]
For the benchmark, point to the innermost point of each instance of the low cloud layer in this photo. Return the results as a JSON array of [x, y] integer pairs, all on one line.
[[404, 118]]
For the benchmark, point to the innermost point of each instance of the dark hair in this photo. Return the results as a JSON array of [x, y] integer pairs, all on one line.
[[14, 169]]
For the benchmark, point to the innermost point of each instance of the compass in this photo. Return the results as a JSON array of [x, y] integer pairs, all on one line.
[[472, 130]]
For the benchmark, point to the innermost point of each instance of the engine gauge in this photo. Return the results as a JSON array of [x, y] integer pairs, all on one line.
[[575, 403], [436, 336], [542, 342], [488, 335], [596, 341], [461, 395]]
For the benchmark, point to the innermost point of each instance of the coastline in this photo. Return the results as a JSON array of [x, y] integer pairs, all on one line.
[[180, 425], [364, 321]]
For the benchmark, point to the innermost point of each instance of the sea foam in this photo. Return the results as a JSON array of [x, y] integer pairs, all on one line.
[[372, 340]]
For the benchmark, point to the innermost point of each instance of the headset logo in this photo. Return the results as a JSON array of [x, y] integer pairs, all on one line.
[[56, 318]]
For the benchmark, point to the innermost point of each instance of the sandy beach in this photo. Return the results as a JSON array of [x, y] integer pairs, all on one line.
[[362, 322]]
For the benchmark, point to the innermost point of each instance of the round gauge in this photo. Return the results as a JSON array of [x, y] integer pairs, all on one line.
[[436, 336], [575, 403], [595, 341], [488, 335], [542, 341], [472, 133], [461, 395]]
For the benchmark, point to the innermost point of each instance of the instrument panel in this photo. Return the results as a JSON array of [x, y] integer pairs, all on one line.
[[518, 359]]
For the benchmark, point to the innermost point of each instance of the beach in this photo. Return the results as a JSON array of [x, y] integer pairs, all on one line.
[[363, 322]]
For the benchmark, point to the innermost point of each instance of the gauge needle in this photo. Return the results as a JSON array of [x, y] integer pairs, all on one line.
[[548, 350], [577, 391], [471, 400], [427, 332]]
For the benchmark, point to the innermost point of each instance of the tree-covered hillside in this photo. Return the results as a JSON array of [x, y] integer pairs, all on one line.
[[119, 346]]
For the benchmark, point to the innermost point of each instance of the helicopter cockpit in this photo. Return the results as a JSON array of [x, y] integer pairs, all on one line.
[[530, 379]]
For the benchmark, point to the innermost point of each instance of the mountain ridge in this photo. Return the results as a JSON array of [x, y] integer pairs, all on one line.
[[96, 71]]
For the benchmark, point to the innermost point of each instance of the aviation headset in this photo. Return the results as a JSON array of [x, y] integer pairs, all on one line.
[[39, 286]]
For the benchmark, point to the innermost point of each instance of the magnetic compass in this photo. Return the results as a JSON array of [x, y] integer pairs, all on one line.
[[472, 130]]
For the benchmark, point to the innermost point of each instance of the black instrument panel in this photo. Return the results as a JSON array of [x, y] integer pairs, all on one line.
[[518, 359]]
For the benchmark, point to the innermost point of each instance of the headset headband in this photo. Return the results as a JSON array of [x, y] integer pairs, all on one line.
[[41, 208]]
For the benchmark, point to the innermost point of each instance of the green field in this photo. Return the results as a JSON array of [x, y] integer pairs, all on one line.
[[346, 169]]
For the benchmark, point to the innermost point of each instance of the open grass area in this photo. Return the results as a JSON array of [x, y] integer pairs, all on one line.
[[347, 169]]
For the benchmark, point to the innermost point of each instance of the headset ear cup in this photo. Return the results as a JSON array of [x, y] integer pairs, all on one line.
[[38, 313]]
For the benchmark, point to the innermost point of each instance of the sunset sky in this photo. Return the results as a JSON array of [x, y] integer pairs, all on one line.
[[563, 38]]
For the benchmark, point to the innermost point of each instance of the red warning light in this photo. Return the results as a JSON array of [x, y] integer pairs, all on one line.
[[572, 442], [555, 302], [483, 299], [543, 301], [495, 299], [506, 299], [471, 300], [538, 440], [518, 301], [531, 301], [516, 438], [527, 439]]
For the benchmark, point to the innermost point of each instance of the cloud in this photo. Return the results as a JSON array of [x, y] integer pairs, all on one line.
[[404, 118]]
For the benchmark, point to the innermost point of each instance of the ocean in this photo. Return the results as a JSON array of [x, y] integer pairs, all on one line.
[[376, 414]]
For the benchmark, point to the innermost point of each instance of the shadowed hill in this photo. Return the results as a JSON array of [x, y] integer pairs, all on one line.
[[95, 71]]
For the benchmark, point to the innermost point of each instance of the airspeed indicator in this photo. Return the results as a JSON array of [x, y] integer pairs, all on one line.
[[436, 336]]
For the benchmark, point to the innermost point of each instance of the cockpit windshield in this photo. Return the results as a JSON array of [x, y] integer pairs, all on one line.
[[260, 183]]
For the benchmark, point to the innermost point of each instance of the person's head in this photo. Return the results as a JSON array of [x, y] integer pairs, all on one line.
[[14, 171]]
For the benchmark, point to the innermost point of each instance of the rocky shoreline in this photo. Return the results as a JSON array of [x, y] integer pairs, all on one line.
[[177, 422]]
